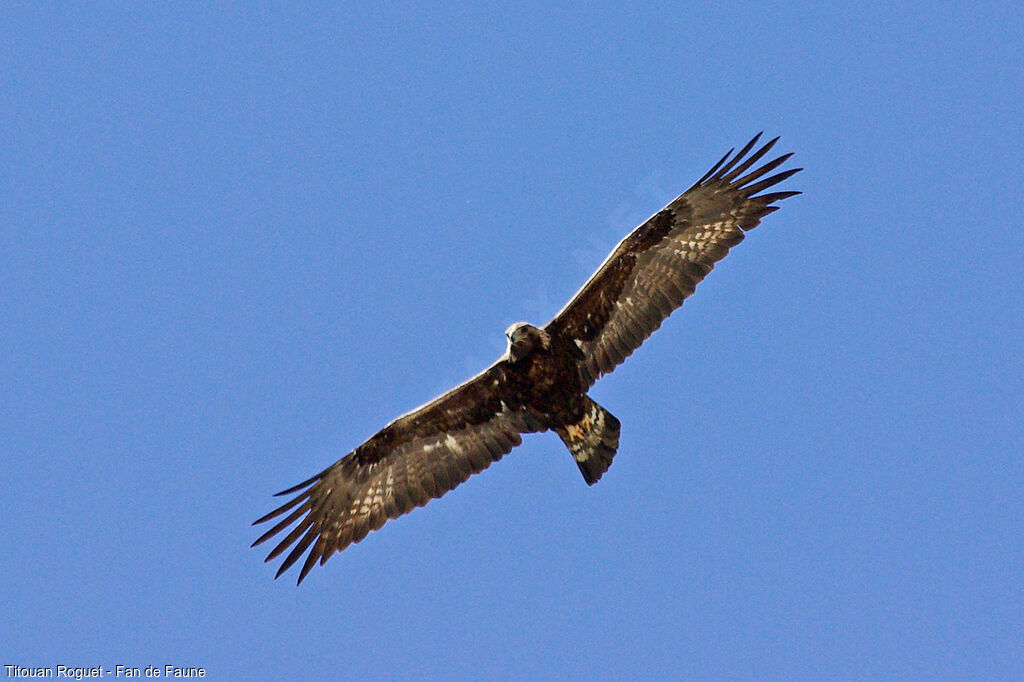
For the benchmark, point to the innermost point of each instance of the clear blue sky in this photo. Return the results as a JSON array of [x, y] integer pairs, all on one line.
[[236, 240]]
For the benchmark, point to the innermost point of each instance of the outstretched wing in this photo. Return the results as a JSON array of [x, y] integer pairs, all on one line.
[[417, 457], [660, 263]]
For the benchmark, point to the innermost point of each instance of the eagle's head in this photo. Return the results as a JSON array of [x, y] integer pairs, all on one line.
[[523, 339]]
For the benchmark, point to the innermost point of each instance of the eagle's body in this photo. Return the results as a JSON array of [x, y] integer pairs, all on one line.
[[541, 381], [547, 373]]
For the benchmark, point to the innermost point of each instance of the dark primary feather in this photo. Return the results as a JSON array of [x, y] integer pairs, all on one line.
[[417, 457], [654, 269]]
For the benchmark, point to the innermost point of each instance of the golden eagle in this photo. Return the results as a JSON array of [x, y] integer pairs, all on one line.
[[541, 381]]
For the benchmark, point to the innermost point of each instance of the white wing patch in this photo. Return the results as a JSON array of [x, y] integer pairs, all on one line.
[[453, 444]]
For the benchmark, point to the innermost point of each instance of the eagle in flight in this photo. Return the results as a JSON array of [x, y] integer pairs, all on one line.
[[541, 381]]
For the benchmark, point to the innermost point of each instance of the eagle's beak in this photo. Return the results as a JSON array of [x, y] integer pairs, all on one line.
[[517, 349]]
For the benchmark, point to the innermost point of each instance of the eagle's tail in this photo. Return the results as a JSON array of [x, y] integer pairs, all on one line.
[[592, 441]]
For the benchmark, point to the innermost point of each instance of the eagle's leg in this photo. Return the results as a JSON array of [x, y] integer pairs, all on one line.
[[592, 440]]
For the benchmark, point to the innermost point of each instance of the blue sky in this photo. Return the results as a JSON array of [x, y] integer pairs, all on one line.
[[237, 240]]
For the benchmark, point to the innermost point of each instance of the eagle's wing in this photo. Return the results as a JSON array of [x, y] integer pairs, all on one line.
[[660, 263], [417, 457]]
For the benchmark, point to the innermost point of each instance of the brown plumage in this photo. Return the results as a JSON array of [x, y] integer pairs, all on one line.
[[542, 380]]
